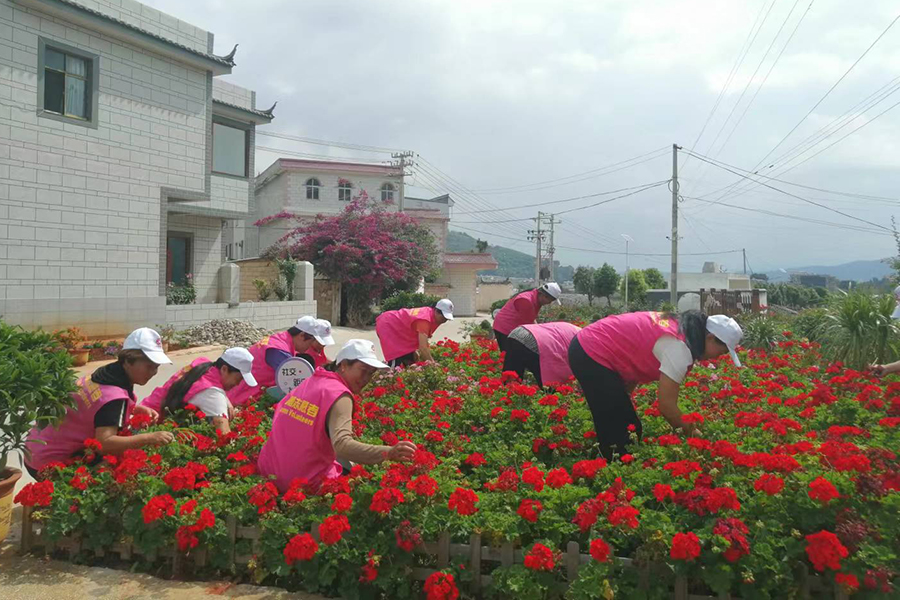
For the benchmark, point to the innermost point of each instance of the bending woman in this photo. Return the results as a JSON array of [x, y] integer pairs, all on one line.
[[523, 309], [104, 403], [542, 349], [613, 355], [312, 427], [404, 334], [204, 385]]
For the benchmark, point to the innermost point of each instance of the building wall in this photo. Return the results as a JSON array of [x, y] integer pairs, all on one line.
[[229, 193], [328, 300], [233, 94], [461, 279], [708, 281], [328, 203], [152, 20], [206, 251], [424, 204], [80, 207], [488, 293], [271, 315]]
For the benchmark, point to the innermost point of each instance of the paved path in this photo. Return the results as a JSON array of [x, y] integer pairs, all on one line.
[[27, 578]]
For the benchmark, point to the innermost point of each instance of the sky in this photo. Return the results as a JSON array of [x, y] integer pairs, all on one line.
[[504, 103]]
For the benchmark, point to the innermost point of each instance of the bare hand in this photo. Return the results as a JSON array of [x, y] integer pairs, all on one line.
[[877, 370], [691, 430], [161, 438], [402, 451], [140, 409], [230, 411]]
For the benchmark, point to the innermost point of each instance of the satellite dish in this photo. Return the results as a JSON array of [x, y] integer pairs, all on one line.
[[292, 372]]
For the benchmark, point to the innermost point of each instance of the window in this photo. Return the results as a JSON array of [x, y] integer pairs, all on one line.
[[387, 192], [230, 151], [178, 258], [345, 190], [312, 188], [67, 83]]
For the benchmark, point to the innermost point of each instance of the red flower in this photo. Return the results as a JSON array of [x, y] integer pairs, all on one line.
[[847, 581], [369, 573], [530, 509], [187, 508], [332, 529], [519, 414], [599, 550], [533, 477], [682, 468], [463, 501], [496, 411], [36, 494], [822, 490], [342, 503], [735, 531], [82, 479], [300, 547], [441, 586], [295, 494], [587, 514], [663, 492], [540, 558], [434, 436], [408, 537], [685, 546], [187, 477], [237, 457], [384, 500], [263, 497], [158, 507], [423, 485], [587, 469], [624, 515], [825, 551], [770, 484], [476, 460], [557, 478]]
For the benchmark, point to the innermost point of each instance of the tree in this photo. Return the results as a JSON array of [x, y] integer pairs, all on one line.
[[584, 282], [637, 286], [481, 246], [606, 280], [370, 250], [894, 262], [759, 277], [654, 279]]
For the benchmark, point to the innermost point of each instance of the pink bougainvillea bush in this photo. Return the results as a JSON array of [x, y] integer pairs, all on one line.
[[797, 470]]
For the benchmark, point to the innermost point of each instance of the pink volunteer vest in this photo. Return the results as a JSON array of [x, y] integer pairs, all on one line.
[[61, 442], [553, 341], [624, 343], [157, 396], [264, 374], [509, 316], [298, 445], [395, 330]]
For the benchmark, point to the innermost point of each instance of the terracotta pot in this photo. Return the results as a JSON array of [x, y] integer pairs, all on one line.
[[165, 346], [8, 479], [80, 357]]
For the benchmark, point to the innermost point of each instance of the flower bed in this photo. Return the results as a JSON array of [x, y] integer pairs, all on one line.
[[796, 473]]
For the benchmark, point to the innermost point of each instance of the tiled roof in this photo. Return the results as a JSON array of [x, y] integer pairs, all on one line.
[[266, 114], [485, 261], [227, 61]]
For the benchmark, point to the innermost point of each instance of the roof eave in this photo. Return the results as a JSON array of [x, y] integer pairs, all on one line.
[[104, 24], [245, 115]]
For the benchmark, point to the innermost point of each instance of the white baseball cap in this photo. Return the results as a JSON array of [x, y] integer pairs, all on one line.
[[318, 328], [552, 288], [149, 342], [446, 308], [242, 360], [363, 350], [726, 331]]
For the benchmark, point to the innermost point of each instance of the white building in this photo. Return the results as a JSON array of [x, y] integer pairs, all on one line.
[[121, 158]]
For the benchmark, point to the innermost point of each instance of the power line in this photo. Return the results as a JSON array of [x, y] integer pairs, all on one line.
[[325, 157], [318, 142], [648, 253]]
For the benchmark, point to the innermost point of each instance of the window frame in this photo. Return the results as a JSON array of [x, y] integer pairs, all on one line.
[[345, 186], [388, 187], [226, 122], [313, 190], [92, 83], [189, 254]]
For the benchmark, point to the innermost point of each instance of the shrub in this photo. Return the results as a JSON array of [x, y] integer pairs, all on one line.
[[184, 293], [860, 330], [400, 300], [287, 270], [263, 289], [37, 383], [761, 332]]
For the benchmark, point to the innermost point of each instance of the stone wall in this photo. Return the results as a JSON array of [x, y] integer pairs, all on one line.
[[328, 300], [255, 268]]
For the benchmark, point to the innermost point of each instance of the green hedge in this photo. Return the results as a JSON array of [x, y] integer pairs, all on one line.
[[408, 300]]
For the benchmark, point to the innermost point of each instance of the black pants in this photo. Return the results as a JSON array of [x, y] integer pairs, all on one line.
[[501, 340], [609, 402], [403, 361], [519, 359]]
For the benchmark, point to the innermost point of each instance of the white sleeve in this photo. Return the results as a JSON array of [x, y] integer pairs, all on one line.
[[674, 357], [211, 401]]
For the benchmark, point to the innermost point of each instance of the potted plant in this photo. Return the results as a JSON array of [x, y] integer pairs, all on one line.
[[72, 340], [167, 333], [478, 330], [37, 387]]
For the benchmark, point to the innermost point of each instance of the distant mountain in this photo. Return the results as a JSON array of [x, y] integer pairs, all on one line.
[[512, 263], [858, 270]]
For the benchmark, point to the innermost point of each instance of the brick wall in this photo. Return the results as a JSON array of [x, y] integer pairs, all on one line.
[[328, 300], [271, 315], [255, 268], [232, 94], [152, 20]]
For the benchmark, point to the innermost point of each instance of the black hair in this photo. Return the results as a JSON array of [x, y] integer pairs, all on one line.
[[174, 400], [294, 331], [692, 325], [333, 366]]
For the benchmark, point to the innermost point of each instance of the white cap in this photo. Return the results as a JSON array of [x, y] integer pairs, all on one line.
[[728, 332], [318, 328], [149, 342], [363, 350], [552, 288], [446, 308], [242, 360]]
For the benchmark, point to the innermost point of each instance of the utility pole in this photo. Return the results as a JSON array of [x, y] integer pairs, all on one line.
[[627, 239], [538, 236], [674, 275], [401, 161], [744, 250], [551, 251]]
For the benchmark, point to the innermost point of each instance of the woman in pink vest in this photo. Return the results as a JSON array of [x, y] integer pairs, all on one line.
[[523, 309], [306, 339], [613, 355], [104, 404], [312, 427], [542, 349], [203, 384], [404, 333]]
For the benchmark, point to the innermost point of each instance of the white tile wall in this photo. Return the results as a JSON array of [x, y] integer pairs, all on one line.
[[206, 251], [271, 315], [232, 94]]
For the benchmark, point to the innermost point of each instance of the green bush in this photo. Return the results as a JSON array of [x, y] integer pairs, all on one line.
[[810, 324], [762, 332], [400, 300], [859, 330], [579, 315], [36, 384], [184, 293]]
